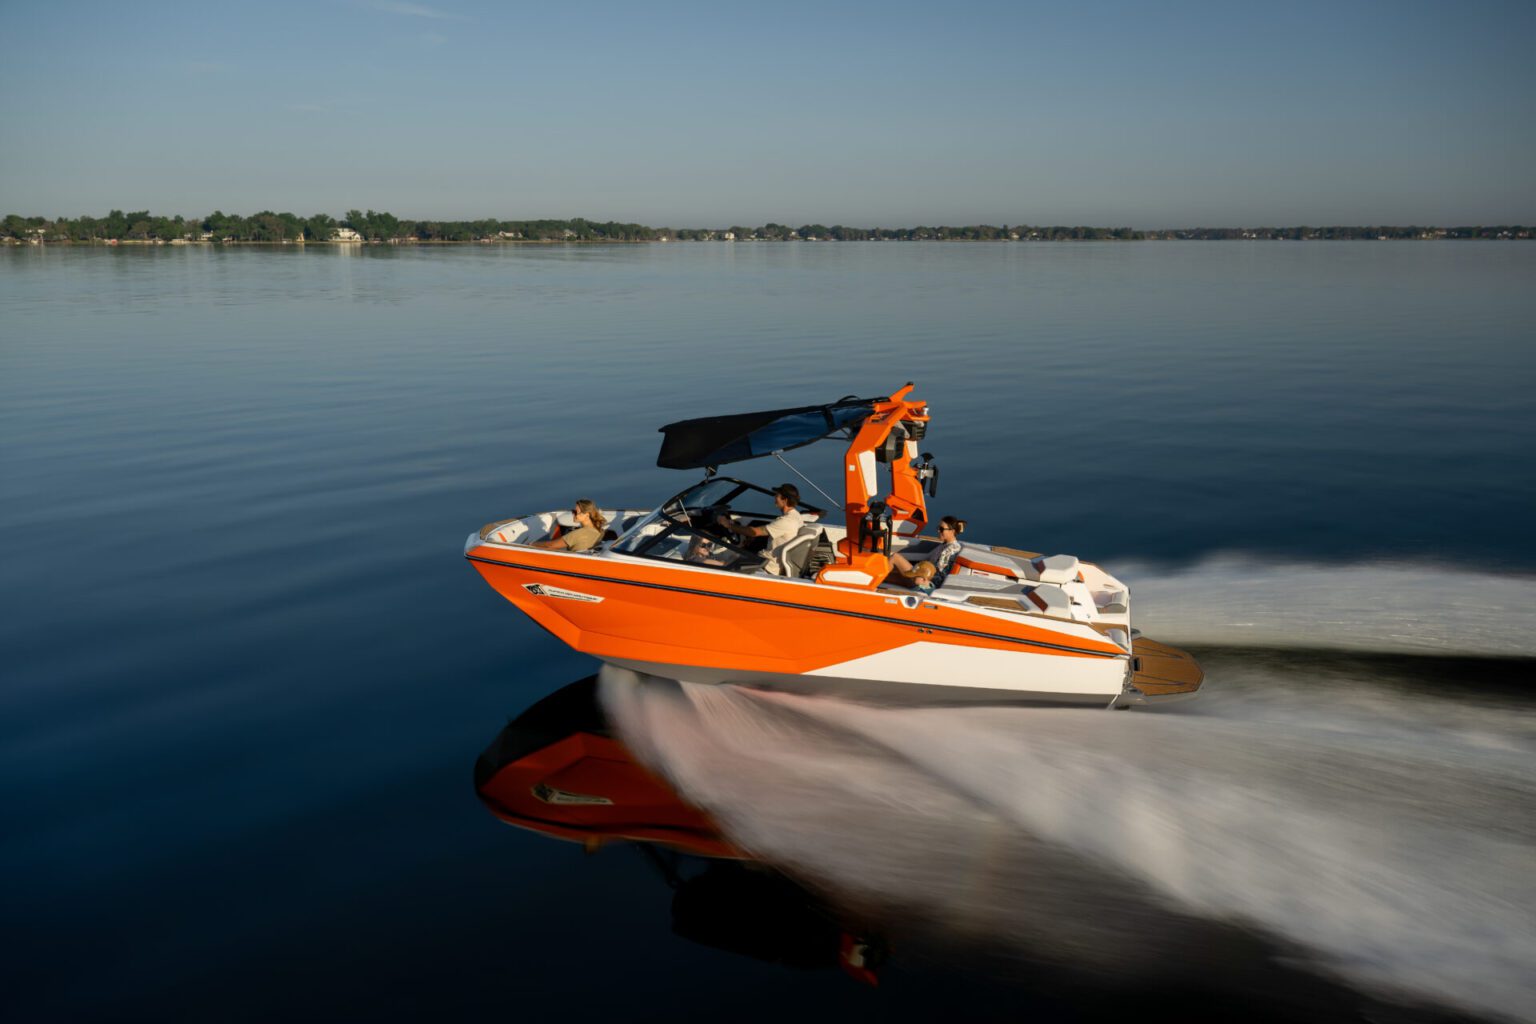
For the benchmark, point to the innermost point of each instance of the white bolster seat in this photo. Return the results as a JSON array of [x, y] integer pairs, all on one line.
[[1052, 569], [509, 534], [1113, 602], [1050, 600]]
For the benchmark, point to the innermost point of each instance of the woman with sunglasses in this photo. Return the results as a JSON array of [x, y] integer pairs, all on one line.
[[942, 556], [587, 534]]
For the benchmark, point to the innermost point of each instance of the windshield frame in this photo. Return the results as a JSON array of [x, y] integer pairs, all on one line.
[[674, 513]]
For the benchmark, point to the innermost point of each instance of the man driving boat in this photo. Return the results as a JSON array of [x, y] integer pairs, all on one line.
[[779, 532]]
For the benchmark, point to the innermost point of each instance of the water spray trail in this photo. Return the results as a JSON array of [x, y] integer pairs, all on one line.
[[1400, 854], [1402, 608], [1390, 830], [1406, 862]]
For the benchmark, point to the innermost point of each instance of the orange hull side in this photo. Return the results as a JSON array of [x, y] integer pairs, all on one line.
[[718, 620]]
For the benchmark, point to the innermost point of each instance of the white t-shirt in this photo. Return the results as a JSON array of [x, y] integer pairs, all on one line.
[[780, 532]]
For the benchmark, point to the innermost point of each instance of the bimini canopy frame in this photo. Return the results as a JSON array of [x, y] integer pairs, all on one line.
[[879, 431], [717, 440]]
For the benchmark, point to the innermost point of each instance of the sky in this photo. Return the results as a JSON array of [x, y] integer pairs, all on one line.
[[1142, 114]]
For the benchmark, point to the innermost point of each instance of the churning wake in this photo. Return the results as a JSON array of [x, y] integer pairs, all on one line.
[[1392, 607], [1389, 832]]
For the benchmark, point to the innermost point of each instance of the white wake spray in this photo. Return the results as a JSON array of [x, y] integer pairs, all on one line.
[[1399, 607], [1391, 833]]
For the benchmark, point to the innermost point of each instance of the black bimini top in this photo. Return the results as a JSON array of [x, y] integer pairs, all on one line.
[[717, 440]]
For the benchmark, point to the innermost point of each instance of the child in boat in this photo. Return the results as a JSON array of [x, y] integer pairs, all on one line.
[[701, 551]]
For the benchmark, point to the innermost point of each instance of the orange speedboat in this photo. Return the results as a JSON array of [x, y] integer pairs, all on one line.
[[677, 591]]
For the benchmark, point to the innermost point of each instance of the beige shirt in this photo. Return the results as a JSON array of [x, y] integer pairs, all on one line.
[[780, 532], [581, 538]]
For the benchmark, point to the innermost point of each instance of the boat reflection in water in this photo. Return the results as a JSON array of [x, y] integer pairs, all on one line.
[[1039, 858], [558, 769]]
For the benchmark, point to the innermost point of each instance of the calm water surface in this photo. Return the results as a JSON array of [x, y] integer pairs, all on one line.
[[248, 674]]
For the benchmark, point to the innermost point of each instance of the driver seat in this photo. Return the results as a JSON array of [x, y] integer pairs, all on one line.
[[821, 556], [797, 553]]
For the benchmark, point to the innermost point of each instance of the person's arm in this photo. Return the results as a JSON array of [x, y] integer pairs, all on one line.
[[560, 541], [739, 530]]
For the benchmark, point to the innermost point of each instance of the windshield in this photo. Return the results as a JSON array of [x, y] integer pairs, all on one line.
[[706, 494], [679, 510], [686, 527], [696, 545]]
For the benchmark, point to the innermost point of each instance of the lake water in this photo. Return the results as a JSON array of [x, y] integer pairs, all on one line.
[[247, 673]]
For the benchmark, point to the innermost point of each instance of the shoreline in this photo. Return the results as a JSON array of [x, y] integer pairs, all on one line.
[[138, 243]]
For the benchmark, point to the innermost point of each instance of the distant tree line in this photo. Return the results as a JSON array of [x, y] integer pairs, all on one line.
[[1383, 231], [373, 226]]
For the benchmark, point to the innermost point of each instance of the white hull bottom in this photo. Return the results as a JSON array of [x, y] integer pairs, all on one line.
[[932, 674]]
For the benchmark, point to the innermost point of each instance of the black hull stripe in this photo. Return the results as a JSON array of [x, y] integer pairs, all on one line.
[[790, 604]]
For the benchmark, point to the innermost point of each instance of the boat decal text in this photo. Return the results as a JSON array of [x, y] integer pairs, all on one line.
[[545, 590]]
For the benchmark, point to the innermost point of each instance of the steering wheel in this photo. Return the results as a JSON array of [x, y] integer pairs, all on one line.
[[711, 522]]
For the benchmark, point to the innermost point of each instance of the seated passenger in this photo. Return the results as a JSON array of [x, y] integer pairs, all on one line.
[[942, 557], [701, 551], [779, 532], [587, 534]]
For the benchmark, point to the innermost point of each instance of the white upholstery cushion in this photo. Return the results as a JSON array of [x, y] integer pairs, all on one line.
[[1053, 569], [1049, 600]]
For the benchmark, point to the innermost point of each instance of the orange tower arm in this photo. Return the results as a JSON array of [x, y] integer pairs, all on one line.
[[896, 415]]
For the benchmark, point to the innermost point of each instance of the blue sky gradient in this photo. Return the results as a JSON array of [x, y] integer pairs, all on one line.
[[706, 114]]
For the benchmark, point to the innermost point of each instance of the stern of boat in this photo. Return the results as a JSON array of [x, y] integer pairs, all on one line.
[[1160, 674]]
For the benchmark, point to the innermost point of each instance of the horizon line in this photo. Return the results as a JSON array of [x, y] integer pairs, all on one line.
[[1003, 225]]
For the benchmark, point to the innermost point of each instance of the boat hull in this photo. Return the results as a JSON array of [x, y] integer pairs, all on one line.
[[704, 625], [874, 689]]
